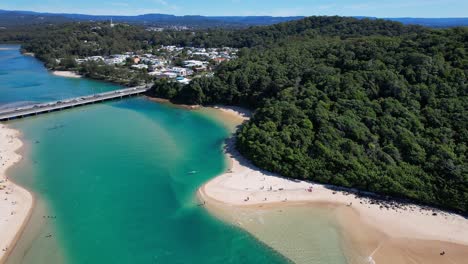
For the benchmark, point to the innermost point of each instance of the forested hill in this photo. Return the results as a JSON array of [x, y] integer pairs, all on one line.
[[341, 27], [373, 105], [49, 39], [58, 41]]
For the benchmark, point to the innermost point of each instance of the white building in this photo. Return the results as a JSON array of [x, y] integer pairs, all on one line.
[[171, 75], [140, 66], [194, 63], [179, 71], [201, 54], [95, 58]]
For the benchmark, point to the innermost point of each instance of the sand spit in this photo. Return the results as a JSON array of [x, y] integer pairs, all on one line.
[[388, 231], [68, 74]]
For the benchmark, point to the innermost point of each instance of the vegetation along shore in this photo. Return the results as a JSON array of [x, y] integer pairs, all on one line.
[[395, 232]]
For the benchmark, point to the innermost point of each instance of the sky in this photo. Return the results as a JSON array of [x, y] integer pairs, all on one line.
[[376, 8]]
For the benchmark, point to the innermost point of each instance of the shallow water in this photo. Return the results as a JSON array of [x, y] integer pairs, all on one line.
[[308, 235], [115, 183], [303, 233], [113, 180], [116, 180]]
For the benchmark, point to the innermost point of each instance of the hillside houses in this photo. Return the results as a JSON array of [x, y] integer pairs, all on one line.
[[169, 62], [116, 59]]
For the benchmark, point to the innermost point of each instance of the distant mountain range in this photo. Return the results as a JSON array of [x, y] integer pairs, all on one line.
[[16, 18]]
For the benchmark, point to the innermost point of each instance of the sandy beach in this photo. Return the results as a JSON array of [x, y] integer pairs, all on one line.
[[68, 74], [15, 202], [389, 231]]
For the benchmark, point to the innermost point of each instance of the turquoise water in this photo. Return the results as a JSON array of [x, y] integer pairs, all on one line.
[[23, 80], [115, 179]]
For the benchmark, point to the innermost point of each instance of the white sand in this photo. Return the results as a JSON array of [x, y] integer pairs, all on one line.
[[245, 185], [68, 74], [15, 202]]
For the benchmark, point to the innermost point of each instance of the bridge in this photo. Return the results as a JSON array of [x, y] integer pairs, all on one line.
[[42, 108]]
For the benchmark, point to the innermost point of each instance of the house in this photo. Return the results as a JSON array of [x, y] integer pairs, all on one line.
[[169, 74], [116, 59], [179, 71], [136, 60], [218, 60], [201, 54], [79, 61], [140, 66], [194, 63], [155, 29], [155, 73], [95, 58], [169, 48], [113, 61]]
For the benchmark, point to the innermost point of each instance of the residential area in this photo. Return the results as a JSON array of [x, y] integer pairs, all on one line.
[[180, 64]]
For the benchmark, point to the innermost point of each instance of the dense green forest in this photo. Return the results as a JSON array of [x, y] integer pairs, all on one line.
[[368, 104], [382, 109]]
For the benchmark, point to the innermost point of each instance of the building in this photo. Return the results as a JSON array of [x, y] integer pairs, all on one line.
[[201, 54], [95, 58], [179, 71], [194, 63], [169, 74], [140, 66], [155, 73], [113, 61], [218, 60], [136, 60], [155, 29]]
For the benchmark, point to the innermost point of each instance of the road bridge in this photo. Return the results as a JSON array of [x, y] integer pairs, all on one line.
[[42, 108]]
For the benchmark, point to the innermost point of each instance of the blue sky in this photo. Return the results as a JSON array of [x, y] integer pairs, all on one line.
[[378, 8]]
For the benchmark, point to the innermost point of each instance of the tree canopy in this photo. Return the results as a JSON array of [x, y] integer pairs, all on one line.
[[365, 104]]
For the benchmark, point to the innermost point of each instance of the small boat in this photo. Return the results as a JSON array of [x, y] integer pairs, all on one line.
[[192, 172]]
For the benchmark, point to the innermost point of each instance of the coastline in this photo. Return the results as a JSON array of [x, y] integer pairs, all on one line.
[[67, 74], [389, 232], [16, 203], [168, 102]]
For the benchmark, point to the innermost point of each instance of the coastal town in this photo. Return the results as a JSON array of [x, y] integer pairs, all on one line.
[[180, 64]]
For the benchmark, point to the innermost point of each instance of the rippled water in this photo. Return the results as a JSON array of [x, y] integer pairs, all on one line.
[[115, 182]]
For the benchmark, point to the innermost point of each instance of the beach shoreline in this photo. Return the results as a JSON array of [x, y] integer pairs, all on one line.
[[16, 203], [67, 74], [168, 102], [400, 225]]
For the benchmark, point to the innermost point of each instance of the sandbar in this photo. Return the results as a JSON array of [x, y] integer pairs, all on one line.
[[385, 231]]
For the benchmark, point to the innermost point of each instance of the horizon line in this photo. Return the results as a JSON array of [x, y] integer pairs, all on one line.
[[142, 14]]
